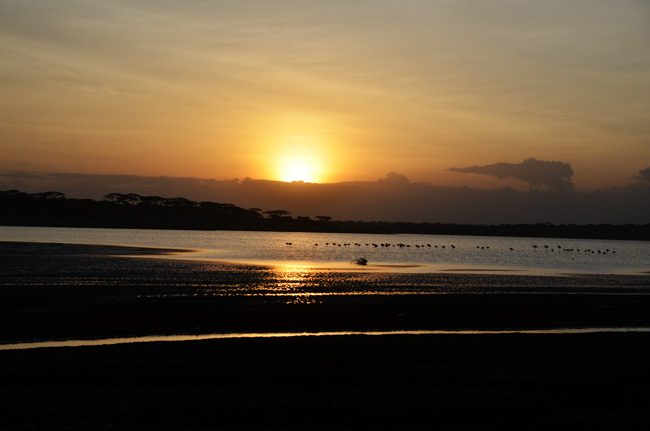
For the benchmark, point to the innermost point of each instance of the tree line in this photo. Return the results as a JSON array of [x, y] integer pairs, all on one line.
[[119, 210]]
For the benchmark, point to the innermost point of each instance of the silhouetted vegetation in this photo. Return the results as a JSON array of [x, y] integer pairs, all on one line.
[[119, 210]]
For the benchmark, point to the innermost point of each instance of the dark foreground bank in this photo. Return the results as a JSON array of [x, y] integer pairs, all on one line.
[[349, 382]]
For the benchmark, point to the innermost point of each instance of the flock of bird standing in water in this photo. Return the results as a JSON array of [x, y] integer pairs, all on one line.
[[545, 247]]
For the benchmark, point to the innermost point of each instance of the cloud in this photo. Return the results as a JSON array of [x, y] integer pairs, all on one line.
[[555, 176], [394, 179], [643, 176]]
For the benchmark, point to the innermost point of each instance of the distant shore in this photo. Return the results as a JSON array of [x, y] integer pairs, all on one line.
[[52, 209]]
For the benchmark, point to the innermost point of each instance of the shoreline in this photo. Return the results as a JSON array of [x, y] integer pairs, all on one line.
[[640, 232], [541, 235]]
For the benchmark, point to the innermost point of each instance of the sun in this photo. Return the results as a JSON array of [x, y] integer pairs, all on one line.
[[298, 147], [298, 168]]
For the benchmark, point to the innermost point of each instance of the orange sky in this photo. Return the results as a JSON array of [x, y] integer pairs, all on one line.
[[325, 90]]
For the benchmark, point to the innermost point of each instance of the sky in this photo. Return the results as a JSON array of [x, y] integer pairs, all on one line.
[[326, 91]]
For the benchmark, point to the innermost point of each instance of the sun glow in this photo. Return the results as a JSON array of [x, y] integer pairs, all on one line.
[[298, 147], [298, 168]]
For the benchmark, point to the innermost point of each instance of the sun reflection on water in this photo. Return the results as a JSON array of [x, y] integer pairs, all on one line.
[[293, 279]]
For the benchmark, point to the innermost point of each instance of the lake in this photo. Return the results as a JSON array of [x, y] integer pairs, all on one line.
[[390, 253]]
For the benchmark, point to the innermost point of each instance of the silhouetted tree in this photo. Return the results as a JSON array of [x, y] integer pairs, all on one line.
[[277, 213], [153, 200], [112, 197], [49, 195], [124, 199]]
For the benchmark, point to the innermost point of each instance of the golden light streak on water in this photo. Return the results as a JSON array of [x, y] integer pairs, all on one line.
[[266, 335]]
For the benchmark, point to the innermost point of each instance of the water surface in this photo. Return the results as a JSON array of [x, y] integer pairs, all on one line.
[[388, 253]]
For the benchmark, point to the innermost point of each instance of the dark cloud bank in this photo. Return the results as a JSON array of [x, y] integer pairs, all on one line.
[[539, 174], [393, 198]]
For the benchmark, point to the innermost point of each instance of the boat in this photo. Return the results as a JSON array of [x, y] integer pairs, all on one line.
[[361, 261]]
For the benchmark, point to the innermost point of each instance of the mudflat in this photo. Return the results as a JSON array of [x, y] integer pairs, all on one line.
[[54, 291]]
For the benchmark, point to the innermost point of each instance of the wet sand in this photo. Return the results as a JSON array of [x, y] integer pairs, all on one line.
[[52, 292]]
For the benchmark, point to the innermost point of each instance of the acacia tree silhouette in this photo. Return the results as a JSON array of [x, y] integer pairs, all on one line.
[[277, 213]]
